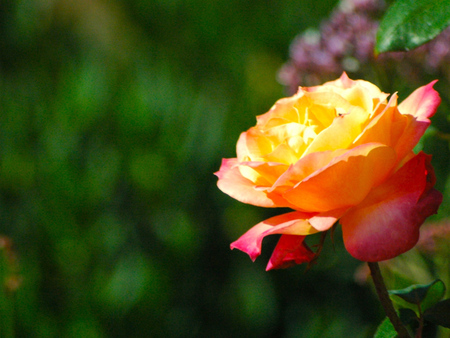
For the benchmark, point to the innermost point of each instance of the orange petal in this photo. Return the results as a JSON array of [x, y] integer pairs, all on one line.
[[326, 220], [296, 173], [270, 171], [421, 104], [253, 144], [387, 222], [390, 127], [385, 127], [306, 166], [345, 181], [232, 183]]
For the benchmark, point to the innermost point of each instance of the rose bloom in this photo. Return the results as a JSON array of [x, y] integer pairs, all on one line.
[[340, 151]]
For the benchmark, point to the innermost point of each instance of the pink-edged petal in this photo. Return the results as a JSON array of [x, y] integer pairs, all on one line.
[[422, 103], [386, 224], [232, 183], [390, 127], [346, 81], [344, 182], [343, 82], [290, 250], [293, 223]]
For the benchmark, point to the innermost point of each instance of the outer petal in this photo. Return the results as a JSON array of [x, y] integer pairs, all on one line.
[[293, 223], [232, 183], [326, 220], [421, 104], [386, 224], [294, 226], [297, 172], [290, 250], [344, 182], [252, 145], [242, 151], [385, 127]]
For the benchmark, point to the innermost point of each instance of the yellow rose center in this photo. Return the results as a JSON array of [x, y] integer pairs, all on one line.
[[328, 118]]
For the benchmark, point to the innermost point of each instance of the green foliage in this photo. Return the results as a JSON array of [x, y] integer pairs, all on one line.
[[8, 283], [385, 330], [410, 23], [439, 314], [113, 117], [422, 304], [425, 295], [407, 316]]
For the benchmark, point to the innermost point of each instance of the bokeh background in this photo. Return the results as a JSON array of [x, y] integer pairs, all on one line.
[[114, 115]]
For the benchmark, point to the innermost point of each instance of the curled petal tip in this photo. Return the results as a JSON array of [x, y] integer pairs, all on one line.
[[422, 103], [345, 79]]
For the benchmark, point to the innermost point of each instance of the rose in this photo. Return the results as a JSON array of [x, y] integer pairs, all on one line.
[[341, 151]]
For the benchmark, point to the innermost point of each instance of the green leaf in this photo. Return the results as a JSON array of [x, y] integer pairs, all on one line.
[[428, 295], [439, 314], [434, 294], [385, 330], [410, 23], [407, 316]]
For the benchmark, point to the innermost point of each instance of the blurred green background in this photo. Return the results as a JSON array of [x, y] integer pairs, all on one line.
[[114, 115]]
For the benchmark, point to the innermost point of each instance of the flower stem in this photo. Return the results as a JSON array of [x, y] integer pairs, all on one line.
[[420, 329], [386, 301]]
